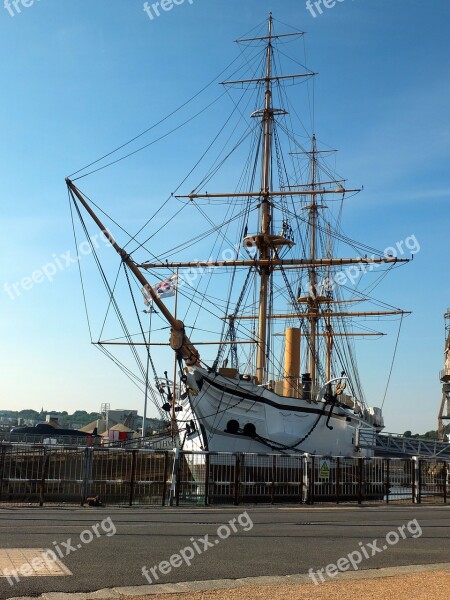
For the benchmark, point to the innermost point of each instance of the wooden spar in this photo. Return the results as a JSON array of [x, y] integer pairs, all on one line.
[[252, 194], [272, 263], [179, 341], [224, 343], [325, 334], [300, 185], [324, 315], [292, 363], [269, 79], [326, 300], [271, 37], [238, 342]]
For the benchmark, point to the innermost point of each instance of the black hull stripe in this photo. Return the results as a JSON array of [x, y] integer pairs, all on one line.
[[252, 398]]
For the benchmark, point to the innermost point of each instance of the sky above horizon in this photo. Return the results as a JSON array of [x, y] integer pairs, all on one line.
[[78, 79]]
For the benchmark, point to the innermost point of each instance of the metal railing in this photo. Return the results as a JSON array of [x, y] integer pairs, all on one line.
[[386, 444], [41, 475], [47, 439], [157, 441]]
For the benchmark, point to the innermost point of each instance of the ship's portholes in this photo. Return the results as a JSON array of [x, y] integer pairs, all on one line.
[[232, 426], [249, 430]]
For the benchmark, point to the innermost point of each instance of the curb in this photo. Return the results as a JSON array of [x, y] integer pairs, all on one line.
[[226, 584]]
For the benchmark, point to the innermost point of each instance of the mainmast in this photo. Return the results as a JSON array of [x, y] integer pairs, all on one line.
[[314, 299], [266, 215], [313, 306], [328, 328], [265, 240]]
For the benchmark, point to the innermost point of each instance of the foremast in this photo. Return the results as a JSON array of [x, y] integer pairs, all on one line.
[[265, 241]]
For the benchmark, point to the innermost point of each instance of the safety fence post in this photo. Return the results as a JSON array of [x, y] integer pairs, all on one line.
[[415, 477], [207, 479], [360, 480], [86, 474], [44, 475], [387, 462], [173, 493], [132, 476], [2, 468], [237, 473]]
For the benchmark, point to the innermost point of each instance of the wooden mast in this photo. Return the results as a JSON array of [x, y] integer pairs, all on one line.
[[266, 215], [312, 305], [328, 328], [264, 240]]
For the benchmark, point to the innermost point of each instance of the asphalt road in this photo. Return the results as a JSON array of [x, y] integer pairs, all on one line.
[[282, 541]]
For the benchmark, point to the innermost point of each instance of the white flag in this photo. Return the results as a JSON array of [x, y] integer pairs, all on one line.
[[164, 289]]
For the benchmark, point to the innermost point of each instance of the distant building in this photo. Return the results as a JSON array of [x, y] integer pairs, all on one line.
[[52, 419], [127, 417], [98, 426], [119, 433]]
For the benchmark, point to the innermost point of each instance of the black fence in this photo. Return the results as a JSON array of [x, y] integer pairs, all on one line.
[[40, 475]]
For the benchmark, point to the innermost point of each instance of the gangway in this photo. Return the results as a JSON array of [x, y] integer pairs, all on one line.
[[396, 445]]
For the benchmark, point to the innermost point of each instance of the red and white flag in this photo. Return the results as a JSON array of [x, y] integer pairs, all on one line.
[[163, 289]]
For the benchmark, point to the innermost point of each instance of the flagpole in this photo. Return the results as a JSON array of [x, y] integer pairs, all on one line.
[[144, 418], [173, 428]]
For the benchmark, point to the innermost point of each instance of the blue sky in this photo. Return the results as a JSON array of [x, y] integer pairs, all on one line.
[[79, 78]]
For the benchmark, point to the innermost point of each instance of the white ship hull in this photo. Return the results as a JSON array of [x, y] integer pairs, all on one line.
[[288, 425]]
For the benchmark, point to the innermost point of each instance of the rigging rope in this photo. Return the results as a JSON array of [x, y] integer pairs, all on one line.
[[171, 114], [393, 361]]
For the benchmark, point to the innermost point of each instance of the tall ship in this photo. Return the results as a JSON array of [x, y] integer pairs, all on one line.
[[262, 328]]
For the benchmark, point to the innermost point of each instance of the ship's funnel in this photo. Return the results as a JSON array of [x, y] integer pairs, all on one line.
[[291, 387]]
